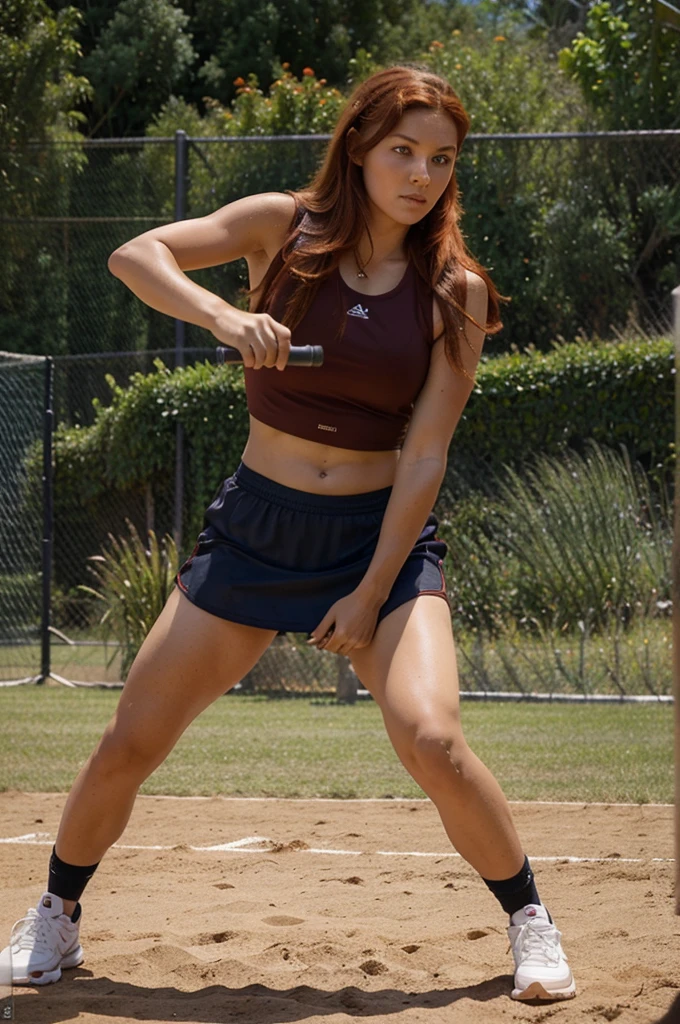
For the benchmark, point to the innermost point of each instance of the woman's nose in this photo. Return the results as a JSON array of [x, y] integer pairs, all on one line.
[[420, 174]]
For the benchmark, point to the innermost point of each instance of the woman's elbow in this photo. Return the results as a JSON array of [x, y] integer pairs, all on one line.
[[429, 462], [116, 260]]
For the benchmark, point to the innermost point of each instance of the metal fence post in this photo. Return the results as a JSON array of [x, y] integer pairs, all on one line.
[[48, 519], [676, 594], [181, 188]]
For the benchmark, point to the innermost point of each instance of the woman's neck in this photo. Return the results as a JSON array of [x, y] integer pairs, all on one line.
[[385, 244]]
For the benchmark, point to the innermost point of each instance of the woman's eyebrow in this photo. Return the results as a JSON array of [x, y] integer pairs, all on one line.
[[400, 135]]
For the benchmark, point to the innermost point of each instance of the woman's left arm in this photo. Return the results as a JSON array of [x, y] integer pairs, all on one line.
[[419, 475]]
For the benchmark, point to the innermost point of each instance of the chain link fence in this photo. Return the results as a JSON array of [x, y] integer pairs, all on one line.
[[22, 399], [51, 628], [583, 231]]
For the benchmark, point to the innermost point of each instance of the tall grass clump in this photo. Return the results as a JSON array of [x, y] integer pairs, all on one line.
[[576, 538], [562, 580], [589, 537], [135, 581]]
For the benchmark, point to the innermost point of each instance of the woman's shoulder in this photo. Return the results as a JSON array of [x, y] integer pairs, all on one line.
[[275, 204], [477, 298], [268, 218], [276, 210], [475, 282], [476, 291]]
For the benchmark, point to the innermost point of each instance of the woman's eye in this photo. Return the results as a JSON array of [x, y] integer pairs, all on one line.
[[441, 159]]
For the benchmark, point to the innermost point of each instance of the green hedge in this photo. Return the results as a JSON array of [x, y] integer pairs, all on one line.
[[613, 393], [524, 405]]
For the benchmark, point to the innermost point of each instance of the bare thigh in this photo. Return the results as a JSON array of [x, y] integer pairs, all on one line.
[[188, 659], [410, 666]]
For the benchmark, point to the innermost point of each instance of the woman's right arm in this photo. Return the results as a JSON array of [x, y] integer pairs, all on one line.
[[152, 265]]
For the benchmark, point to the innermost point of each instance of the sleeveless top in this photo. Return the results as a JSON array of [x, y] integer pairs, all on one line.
[[376, 358]]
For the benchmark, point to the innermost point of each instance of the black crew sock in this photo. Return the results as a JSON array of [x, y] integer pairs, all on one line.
[[68, 881], [516, 892]]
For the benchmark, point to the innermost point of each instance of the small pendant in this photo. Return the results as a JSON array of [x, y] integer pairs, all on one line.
[[361, 273]]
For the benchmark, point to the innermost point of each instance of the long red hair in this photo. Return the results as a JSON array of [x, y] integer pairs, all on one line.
[[333, 211]]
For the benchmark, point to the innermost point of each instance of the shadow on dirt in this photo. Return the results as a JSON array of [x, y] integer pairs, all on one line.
[[673, 1014], [219, 1004]]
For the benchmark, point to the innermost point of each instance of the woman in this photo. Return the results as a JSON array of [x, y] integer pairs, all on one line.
[[326, 525]]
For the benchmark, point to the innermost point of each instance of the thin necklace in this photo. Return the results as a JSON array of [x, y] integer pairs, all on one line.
[[360, 270]]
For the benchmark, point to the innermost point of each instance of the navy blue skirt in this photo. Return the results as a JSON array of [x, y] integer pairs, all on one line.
[[278, 558]]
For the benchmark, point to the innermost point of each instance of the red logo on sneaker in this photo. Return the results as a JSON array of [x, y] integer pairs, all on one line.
[[530, 911]]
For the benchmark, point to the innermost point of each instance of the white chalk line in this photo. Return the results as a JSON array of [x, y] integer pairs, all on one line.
[[381, 800], [260, 844], [360, 800]]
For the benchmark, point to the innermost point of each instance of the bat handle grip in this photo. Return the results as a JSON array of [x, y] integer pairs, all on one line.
[[301, 355]]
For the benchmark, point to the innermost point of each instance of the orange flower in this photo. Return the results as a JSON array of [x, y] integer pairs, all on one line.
[[285, 65], [499, 39], [321, 103], [309, 72], [239, 81], [436, 45], [322, 81]]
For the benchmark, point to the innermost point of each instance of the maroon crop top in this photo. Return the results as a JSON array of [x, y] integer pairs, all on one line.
[[363, 395]]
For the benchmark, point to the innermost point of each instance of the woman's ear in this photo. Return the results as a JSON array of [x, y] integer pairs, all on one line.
[[351, 140]]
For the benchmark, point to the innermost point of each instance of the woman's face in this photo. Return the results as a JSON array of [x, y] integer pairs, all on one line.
[[407, 171]]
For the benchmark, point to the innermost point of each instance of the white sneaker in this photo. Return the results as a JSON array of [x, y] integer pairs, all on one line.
[[541, 968], [41, 944]]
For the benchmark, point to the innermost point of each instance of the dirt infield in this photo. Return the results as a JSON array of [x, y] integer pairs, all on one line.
[[325, 911]]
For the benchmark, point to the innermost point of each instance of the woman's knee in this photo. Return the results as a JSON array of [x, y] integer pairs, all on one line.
[[438, 751], [130, 750]]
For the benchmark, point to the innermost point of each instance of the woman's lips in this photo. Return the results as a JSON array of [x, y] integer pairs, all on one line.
[[415, 200]]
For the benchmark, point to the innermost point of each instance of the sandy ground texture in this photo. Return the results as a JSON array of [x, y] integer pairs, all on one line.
[[269, 911]]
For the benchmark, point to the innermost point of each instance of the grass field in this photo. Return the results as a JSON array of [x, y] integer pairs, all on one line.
[[253, 746]]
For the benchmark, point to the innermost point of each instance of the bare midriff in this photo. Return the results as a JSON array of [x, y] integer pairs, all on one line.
[[316, 468]]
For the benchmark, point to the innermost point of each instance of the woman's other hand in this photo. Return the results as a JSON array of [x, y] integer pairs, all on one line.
[[348, 624]]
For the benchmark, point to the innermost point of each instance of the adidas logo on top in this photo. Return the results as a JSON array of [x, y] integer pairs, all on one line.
[[358, 310]]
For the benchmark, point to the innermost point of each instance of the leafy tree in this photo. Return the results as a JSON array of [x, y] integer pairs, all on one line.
[[140, 55], [556, 21], [508, 83], [544, 15], [235, 38], [38, 95], [418, 25], [628, 66], [38, 89]]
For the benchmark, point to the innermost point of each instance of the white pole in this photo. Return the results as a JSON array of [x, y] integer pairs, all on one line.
[[676, 594]]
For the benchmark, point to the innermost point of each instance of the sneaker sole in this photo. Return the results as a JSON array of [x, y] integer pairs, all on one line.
[[537, 991], [73, 959]]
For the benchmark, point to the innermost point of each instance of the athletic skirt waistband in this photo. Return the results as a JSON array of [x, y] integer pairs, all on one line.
[[305, 501], [276, 557]]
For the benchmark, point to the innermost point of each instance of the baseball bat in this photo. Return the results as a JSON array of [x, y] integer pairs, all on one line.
[[302, 355]]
